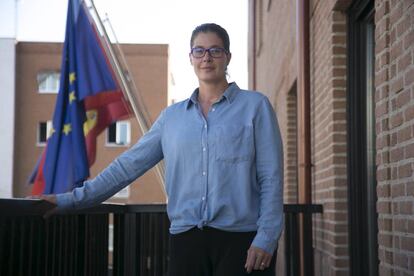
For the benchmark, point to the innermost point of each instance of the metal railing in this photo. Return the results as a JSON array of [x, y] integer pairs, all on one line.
[[76, 243], [141, 241], [293, 213]]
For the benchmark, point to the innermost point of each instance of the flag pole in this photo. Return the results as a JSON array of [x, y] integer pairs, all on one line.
[[138, 107], [140, 101]]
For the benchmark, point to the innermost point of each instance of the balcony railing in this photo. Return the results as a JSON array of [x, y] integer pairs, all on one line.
[[77, 243]]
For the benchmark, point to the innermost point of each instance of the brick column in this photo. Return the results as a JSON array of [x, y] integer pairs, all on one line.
[[394, 81]]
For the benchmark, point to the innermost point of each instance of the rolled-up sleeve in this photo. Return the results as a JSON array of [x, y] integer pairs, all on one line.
[[131, 164], [269, 169]]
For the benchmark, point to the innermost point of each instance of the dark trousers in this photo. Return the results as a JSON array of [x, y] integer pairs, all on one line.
[[212, 252]]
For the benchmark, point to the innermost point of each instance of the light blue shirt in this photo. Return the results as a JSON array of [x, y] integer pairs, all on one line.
[[224, 171]]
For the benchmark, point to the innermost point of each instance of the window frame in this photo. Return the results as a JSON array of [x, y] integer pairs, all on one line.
[[127, 123], [48, 90], [48, 128], [362, 215]]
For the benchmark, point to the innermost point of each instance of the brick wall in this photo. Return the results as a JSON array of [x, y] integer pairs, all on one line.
[[394, 81], [328, 130], [275, 74]]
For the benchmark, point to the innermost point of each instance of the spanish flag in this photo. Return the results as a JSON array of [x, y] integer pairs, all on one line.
[[89, 100]]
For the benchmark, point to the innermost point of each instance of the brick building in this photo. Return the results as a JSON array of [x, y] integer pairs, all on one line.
[[361, 86], [37, 74]]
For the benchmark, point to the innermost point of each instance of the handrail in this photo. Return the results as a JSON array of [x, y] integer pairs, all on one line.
[[302, 208], [76, 242], [37, 207]]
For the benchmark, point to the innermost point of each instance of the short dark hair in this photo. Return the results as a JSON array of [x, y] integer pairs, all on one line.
[[213, 28]]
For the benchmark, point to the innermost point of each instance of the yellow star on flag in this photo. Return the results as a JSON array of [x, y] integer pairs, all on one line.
[[72, 96], [51, 131], [72, 77], [67, 128]]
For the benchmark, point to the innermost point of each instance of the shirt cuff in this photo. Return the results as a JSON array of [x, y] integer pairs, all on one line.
[[264, 242], [64, 201]]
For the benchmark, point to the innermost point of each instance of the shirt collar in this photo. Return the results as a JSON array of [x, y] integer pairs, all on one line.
[[229, 94]]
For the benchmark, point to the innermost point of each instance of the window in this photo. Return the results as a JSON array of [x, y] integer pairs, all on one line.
[[362, 183], [119, 134], [370, 152], [43, 132], [48, 81], [111, 238], [124, 193]]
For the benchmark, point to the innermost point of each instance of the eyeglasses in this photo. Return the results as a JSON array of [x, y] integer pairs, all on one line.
[[215, 52]]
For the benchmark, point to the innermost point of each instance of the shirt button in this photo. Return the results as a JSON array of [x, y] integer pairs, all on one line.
[[213, 109], [204, 173], [204, 149], [203, 198], [205, 126]]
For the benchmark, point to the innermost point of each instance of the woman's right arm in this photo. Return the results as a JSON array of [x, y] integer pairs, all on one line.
[[127, 167]]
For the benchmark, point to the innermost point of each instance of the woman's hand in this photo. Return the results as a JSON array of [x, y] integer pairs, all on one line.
[[49, 198], [257, 259]]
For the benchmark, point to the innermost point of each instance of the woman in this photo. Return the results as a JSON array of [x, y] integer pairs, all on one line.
[[224, 171]]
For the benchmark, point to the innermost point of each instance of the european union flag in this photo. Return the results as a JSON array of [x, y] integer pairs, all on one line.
[[89, 99]]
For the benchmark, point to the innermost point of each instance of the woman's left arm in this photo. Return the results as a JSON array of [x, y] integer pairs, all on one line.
[[269, 167]]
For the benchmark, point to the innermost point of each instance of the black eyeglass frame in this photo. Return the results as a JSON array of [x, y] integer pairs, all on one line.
[[205, 50]]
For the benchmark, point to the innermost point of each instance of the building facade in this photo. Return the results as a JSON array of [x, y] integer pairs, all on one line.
[[7, 86], [361, 85], [37, 75]]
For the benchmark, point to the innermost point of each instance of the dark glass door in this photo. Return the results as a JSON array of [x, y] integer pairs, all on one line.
[[363, 227]]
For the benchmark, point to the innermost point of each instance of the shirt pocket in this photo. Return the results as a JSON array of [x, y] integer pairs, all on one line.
[[234, 143]]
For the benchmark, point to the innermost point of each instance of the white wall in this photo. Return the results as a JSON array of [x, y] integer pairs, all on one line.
[[7, 106], [8, 27], [8, 18]]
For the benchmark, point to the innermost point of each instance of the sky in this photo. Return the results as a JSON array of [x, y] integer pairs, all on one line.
[[141, 21]]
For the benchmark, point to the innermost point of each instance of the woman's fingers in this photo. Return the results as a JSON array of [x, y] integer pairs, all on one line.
[[49, 198], [251, 257], [266, 261], [259, 264], [257, 259]]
